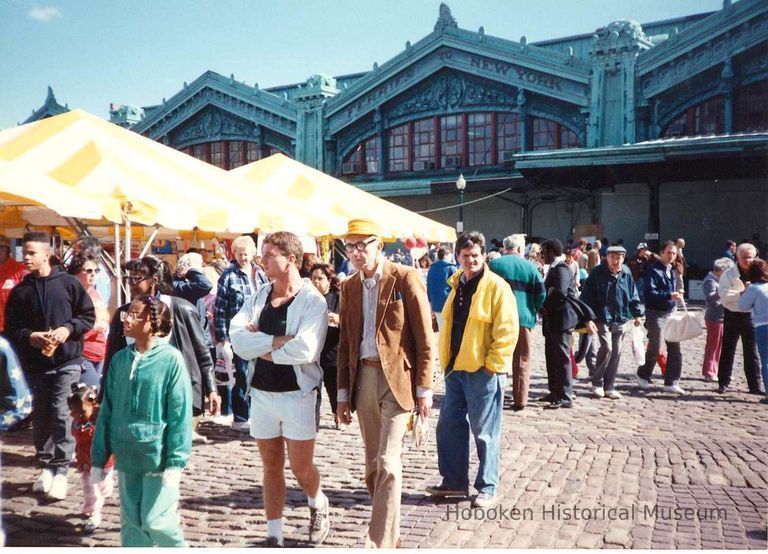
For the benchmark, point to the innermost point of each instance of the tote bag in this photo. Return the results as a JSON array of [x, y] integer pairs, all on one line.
[[682, 325]]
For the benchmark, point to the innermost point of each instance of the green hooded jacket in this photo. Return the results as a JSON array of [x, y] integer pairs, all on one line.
[[145, 417]]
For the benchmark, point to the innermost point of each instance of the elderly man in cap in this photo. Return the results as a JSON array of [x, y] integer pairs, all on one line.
[[385, 366], [611, 293], [11, 274]]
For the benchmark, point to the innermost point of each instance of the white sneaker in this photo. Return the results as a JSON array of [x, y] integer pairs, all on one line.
[[644, 384], [613, 394], [598, 392], [242, 426], [44, 481], [223, 419], [59, 487], [674, 388], [197, 438]]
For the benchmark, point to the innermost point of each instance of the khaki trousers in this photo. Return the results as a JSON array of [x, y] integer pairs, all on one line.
[[383, 424], [521, 372]]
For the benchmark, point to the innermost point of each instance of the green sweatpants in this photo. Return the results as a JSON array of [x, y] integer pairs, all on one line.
[[148, 511]]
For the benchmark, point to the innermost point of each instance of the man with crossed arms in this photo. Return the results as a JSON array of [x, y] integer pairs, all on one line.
[[385, 358]]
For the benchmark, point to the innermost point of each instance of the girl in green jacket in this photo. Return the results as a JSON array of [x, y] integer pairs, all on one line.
[[146, 422]]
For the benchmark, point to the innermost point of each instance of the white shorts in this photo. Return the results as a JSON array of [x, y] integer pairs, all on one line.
[[283, 414]]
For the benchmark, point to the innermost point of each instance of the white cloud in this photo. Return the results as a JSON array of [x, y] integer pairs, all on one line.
[[44, 13]]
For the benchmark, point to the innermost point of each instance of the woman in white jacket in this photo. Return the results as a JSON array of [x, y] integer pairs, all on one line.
[[281, 331]]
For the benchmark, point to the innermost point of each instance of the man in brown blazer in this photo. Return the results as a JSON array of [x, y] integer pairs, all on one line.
[[385, 367]]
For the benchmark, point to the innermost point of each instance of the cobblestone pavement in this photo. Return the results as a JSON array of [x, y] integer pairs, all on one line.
[[664, 464]]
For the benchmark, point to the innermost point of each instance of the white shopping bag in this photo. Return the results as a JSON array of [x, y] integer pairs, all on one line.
[[638, 344]]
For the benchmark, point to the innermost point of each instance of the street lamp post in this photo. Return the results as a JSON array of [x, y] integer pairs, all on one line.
[[461, 184]]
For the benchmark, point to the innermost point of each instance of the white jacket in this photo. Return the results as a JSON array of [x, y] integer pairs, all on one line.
[[307, 322], [731, 286]]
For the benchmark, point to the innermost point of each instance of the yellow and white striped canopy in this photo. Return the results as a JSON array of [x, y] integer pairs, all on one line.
[[279, 174], [83, 166]]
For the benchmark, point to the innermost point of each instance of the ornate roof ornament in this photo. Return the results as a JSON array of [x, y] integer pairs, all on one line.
[[620, 36], [445, 20]]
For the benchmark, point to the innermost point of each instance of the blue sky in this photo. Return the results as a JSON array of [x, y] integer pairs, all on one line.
[[93, 52]]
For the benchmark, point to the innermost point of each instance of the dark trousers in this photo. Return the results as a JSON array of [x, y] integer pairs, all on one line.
[[557, 352], [240, 404], [52, 433], [330, 375], [739, 325]]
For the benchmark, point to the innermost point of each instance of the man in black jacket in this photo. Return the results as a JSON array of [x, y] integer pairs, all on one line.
[[560, 318], [46, 317]]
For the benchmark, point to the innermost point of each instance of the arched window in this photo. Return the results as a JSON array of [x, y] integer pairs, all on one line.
[[451, 141], [226, 154], [480, 139], [424, 144], [399, 148], [372, 155], [507, 136], [706, 118], [750, 108], [353, 163], [551, 135]]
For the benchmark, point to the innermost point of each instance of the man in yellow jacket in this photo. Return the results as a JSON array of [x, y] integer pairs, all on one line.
[[477, 344]]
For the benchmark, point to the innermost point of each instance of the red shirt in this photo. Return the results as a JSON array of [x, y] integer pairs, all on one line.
[[95, 342], [11, 274], [83, 434]]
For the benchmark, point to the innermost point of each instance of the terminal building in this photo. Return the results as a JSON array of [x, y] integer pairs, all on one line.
[[639, 132]]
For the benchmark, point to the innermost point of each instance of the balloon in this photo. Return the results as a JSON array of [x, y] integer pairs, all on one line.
[[410, 243], [421, 242]]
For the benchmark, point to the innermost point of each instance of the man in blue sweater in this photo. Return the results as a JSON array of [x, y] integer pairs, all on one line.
[[437, 282], [528, 288]]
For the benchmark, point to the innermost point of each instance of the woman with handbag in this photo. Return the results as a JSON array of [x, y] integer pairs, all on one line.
[[661, 299]]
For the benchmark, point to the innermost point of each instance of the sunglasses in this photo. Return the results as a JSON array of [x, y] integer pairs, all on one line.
[[359, 246], [92, 271], [135, 279]]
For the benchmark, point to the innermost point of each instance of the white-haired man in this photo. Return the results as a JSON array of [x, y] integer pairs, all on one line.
[[237, 284], [738, 323], [526, 283]]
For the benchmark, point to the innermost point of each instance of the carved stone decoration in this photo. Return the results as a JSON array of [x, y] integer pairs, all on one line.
[[448, 92], [213, 124], [620, 36], [445, 20]]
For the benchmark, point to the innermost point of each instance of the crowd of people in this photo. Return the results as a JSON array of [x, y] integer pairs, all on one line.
[[255, 341]]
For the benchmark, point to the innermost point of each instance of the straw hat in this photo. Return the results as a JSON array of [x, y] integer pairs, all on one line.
[[365, 227]]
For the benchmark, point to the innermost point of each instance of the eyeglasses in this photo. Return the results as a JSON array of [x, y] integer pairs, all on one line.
[[92, 271], [359, 246], [135, 279], [125, 316]]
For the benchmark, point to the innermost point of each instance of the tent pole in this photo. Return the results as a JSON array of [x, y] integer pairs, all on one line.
[[127, 250], [149, 242], [118, 288]]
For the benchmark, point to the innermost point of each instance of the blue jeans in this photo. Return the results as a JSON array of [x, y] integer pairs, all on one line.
[[240, 404], [472, 401], [90, 373], [761, 338]]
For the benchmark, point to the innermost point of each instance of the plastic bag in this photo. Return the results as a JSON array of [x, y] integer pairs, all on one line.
[[224, 370], [638, 344]]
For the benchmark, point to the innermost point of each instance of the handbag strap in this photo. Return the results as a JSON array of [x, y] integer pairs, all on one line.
[[682, 301]]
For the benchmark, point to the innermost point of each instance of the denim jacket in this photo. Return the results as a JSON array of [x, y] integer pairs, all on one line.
[[658, 288], [613, 299]]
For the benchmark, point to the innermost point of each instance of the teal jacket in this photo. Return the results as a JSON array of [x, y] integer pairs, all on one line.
[[526, 283], [145, 417]]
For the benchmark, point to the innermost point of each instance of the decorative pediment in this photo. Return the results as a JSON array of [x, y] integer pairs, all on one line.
[[212, 124], [701, 46], [451, 91], [513, 70], [228, 96]]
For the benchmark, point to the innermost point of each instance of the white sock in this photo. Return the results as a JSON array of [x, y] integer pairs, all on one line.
[[275, 529], [318, 501]]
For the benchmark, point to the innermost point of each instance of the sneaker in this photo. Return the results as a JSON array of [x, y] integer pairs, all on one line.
[[93, 523], [598, 392], [613, 394], [44, 481], [443, 490], [764, 400], [486, 500], [722, 389], [242, 426], [272, 542], [319, 524], [644, 384], [223, 419], [58, 490], [674, 388]]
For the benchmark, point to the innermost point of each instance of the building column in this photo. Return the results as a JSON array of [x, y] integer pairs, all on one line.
[[654, 212], [378, 120], [522, 120], [727, 83]]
